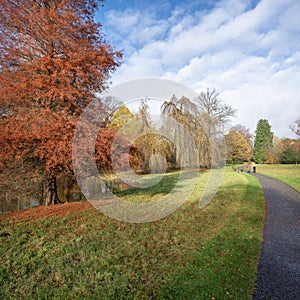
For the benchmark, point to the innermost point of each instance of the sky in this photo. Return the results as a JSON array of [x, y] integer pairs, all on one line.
[[248, 50]]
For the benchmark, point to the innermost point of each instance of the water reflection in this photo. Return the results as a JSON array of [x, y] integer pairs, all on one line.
[[67, 189], [8, 205], [32, 196]]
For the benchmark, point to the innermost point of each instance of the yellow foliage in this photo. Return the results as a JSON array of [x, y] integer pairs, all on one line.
[[238, 148], [121, 116]]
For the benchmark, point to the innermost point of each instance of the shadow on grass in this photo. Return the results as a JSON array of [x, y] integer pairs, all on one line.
[[163, 187]]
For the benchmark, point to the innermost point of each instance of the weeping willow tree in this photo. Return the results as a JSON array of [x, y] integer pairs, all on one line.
[[171, 111], [204, 120], [183, 126], [152, 147]]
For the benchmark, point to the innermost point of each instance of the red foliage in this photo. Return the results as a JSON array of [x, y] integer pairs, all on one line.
[[53, 62]]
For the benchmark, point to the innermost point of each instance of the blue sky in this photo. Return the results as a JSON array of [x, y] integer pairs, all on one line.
[[247, 50]]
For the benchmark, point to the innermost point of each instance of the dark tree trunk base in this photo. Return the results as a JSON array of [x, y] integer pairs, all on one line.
[[51, 196]]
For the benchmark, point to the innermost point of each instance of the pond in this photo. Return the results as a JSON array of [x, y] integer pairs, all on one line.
[[16, 199], [68, 191]]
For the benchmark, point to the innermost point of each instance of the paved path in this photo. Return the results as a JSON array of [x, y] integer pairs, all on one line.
[[279, 265]]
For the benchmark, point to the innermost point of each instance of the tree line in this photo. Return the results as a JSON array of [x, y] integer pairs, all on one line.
[[186, 137], [54, 61], [263, 146]]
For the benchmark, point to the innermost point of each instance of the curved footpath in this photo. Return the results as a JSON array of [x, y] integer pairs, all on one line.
[[279, 266]]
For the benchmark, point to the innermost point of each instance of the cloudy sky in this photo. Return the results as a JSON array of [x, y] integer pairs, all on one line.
[[247, 50]]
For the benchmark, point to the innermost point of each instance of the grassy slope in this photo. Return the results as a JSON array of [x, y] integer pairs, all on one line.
[[191, 254], [290, 174]]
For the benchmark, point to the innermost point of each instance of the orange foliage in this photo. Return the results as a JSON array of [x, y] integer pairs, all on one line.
[[53, 61], [238, 147], [49, 212]]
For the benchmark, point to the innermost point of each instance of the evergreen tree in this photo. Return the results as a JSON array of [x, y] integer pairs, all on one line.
[[263, 140]]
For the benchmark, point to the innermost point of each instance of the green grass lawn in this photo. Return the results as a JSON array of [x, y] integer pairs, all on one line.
[[192, 254], [290, 174]]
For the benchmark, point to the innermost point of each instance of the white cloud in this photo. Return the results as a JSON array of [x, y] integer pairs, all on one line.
[[275, 97], [134, 28], [250, 55], [123, 20]]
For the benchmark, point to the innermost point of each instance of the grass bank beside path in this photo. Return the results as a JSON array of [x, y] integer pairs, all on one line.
[[79, 253], [289, 174]]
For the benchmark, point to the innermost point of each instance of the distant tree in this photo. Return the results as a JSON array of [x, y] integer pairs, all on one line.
[[110, 105], [290, 153], [288, 156], [296, 127], [209, 104], [273, 152], [149, 144], [121, 116], [128, 127], [238, 148], [53, 63], [214, 116], [170, 110], [204, 119], [263, 140], [186, 114], [245, 132]]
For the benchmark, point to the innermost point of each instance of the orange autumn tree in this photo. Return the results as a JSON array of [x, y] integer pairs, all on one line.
[[238, 148], [53, 62]]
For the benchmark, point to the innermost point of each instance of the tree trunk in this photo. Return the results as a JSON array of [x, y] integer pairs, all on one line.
[[51, 196]]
